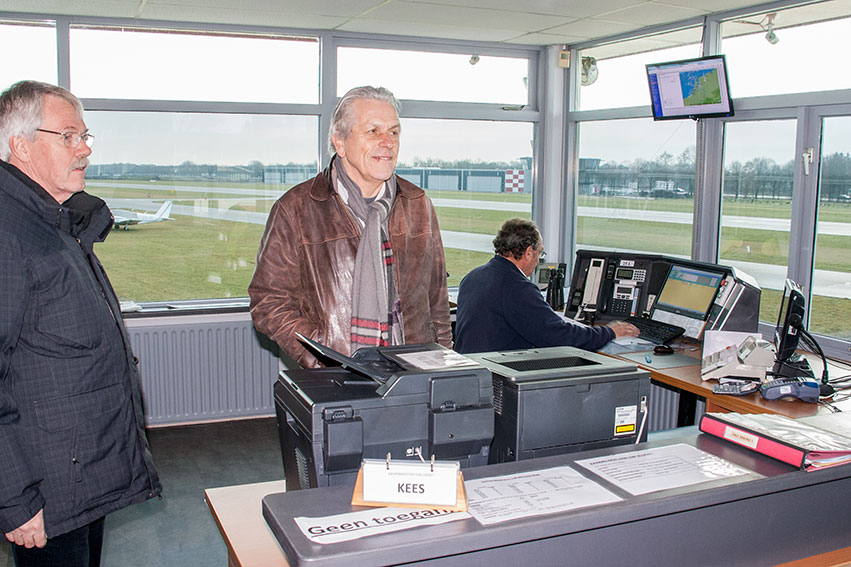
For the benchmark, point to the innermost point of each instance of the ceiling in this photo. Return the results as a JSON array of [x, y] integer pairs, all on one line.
[[527, 22]]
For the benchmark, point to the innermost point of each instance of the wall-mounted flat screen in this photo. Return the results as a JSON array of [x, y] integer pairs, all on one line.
[[691, 88]]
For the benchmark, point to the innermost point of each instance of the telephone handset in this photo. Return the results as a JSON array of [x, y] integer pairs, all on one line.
[[592, 288], [592, 282]]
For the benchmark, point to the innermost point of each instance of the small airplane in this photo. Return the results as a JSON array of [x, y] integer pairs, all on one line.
[[124, 219]]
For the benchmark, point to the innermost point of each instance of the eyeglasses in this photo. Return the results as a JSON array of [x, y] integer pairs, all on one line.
[[71, 139], [542, 254]]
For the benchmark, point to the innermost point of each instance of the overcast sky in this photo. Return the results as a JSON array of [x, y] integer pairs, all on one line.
[[289, 71]]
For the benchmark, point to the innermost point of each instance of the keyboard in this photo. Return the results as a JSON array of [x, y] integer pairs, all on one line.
[[655, 331]]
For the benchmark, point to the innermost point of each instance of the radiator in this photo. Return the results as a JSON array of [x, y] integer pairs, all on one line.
[[664, 408], [203, 368]]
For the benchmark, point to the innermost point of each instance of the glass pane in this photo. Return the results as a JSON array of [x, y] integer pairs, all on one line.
[[172, 65], [478, 174], [39, 58], [830, 312], [222, 173], [756, 205], [450, 77], [758, 67], [614, 76], [636, 186]]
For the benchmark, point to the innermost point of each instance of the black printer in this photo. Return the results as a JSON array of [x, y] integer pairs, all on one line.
[[555, 400], [379, 402]]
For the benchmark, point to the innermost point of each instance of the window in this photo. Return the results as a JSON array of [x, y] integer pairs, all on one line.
[[478, 174], [39, 62], [177, 65], [756, 204], [830, 308], [810, 52], [623, 158], [614, 76], [222, 172], [636, 185], [451, 77]]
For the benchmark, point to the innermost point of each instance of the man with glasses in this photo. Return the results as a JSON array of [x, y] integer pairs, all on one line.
[[353, 257], [72, 440], [499, 308]]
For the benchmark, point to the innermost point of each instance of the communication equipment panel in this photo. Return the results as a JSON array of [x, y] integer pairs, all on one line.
[[627, 289], [620, 284]]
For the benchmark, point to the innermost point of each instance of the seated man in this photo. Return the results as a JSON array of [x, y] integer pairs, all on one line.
[[499, 308]]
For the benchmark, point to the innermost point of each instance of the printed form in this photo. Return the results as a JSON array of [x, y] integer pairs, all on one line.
[[661, 468], [533, 493]]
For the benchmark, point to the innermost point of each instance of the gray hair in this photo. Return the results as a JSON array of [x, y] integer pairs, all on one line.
[[20, 110], [342, 119], [515, 236]]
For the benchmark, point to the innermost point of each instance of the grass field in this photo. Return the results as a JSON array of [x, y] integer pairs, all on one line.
[[194, 257], [190, 258]]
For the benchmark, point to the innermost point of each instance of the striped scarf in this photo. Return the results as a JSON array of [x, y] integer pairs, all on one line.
[[376, 309]]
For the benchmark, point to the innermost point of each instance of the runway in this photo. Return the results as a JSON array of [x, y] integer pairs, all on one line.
[[758, 223], [827, 283]]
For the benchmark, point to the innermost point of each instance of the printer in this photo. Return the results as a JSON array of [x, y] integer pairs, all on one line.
[[549, 401], [377, 403]]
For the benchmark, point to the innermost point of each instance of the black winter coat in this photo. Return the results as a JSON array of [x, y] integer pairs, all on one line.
[[72, 437]]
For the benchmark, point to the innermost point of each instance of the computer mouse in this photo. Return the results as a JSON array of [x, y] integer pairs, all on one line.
[[663, 349]]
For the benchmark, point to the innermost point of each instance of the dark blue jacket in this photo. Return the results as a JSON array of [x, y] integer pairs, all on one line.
[[500, 309], [72, 437]]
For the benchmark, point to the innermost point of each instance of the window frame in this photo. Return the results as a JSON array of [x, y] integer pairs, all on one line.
[[329, 41], [806, 108]]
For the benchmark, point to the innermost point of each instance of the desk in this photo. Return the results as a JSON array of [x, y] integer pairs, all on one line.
[[250, 543], [687, 379], [237, 512], [722, 522]]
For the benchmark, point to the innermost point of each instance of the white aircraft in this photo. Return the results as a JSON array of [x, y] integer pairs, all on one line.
[[124, 219]]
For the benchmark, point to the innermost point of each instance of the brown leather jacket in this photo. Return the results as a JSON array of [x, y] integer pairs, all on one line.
[[303, 279]]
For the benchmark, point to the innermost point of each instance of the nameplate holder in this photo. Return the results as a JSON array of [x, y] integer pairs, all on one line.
[[383, 482]]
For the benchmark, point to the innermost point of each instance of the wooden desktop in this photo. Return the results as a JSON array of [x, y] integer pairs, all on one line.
[[687, 379], [237, 511]]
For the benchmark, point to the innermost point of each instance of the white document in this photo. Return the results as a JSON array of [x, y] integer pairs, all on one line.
[[355, 525], [533, 493], [661, 468], [715, 341], [434, 359]]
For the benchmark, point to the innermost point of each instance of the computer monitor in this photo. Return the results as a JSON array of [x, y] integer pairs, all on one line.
[[691, 88], [793, 308], [686, 298]]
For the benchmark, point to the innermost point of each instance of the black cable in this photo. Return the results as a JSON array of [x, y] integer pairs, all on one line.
[[825, 389], [841, 379]]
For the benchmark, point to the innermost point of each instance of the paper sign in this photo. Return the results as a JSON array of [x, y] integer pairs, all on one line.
[[410, 482], [363, 523]]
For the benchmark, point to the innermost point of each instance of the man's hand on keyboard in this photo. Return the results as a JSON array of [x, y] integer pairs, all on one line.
[[622, 329]]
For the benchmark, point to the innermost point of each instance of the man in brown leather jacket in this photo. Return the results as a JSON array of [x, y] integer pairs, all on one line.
[[353, 257]]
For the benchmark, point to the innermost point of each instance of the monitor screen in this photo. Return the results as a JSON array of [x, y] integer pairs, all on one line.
[[793, 307], [689, 291], [692, 88]]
